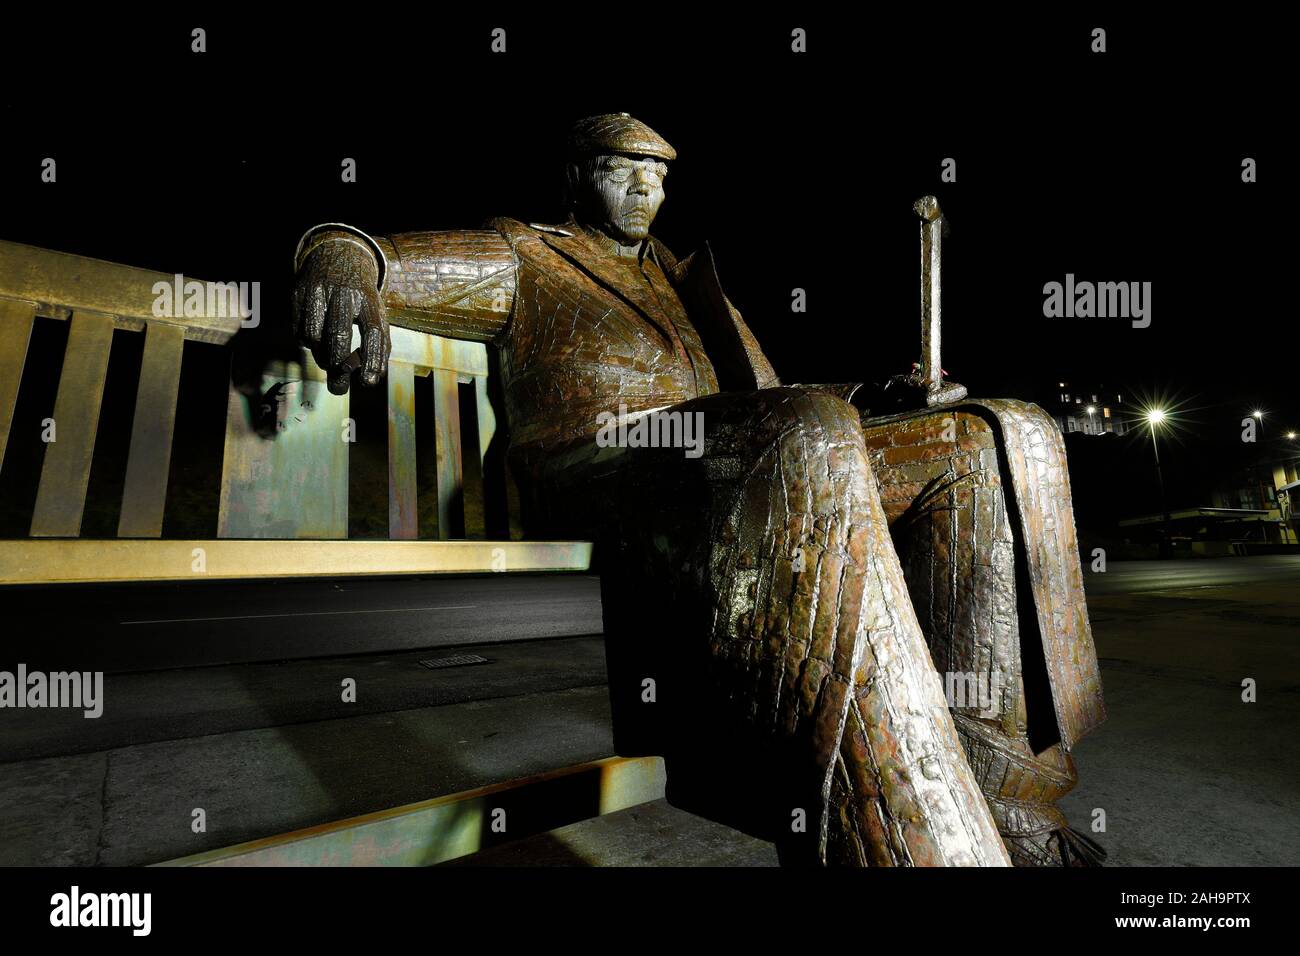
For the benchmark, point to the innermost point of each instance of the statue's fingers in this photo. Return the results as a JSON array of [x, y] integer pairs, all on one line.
[[375, 346], [313, 317], [339, 380], [343, 308]]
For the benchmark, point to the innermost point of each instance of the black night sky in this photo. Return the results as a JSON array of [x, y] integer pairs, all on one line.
[[800, 171]]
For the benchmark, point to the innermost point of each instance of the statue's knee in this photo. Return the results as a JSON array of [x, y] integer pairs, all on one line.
[[803, 475], [1035, 419], [819, 417]]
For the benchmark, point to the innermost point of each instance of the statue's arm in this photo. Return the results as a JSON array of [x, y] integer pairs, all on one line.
[[457, 283]]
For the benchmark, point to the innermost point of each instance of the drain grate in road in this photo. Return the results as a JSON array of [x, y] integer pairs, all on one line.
[[458, 660]]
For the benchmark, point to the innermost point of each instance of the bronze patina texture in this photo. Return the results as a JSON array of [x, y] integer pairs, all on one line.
[[960, 487], [762, 632]]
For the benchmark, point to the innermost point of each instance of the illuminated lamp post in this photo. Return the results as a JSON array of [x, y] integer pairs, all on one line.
[[1156, 416]]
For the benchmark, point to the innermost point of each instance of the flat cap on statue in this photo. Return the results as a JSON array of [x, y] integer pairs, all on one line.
[[617, 133]]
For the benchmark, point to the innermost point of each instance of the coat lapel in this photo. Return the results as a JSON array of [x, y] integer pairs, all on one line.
[[602, 267], [737, 359], [730, 346]]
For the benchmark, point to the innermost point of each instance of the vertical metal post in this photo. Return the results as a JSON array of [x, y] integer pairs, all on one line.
[[931, 372]]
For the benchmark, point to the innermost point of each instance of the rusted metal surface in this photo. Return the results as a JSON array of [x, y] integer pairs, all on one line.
[[755, 585], [59, 561], [928, 379], [16, 319], [789, 631], [65, 472], [459, 284], [1036, 455], [960, 486], [144, 493], [1022, 788], [943, 495], [451, 283], [931, 370], [592, 319]]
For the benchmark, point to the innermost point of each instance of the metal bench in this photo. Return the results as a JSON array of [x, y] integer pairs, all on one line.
[[283, 503]]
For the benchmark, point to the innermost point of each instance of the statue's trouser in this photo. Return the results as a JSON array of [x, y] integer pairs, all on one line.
[[960, 486], [760, 636]]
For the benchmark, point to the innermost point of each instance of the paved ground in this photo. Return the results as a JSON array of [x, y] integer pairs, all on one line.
[[134, 805], [178, 704], [651, 834], [1186, 773]]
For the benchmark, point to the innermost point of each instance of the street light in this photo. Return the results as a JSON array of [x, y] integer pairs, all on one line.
[[1091, 409], [1156, 416]]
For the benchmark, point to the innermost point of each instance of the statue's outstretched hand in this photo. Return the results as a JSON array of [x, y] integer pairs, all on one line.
[[337, 286]]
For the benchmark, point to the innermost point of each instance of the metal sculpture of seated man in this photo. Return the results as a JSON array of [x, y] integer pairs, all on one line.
[[762, 633]]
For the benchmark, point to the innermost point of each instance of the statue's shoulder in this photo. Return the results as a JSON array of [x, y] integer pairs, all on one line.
[[514, 230]]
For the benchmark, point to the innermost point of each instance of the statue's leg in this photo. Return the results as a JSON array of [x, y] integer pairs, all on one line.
[[758, 621], [978, 501]]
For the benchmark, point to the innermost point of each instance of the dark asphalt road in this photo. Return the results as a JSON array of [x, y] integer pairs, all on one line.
[[1132, 577], [150, 706], [157, 626], [1188, 769]]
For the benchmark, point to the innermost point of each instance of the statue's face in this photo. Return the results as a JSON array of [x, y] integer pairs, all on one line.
[[623, 194]]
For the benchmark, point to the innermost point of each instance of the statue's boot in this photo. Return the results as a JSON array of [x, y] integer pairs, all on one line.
[[1022, 790], [760, 636], [978, 499]]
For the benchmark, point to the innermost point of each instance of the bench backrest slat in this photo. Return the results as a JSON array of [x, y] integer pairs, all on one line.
[[293, 487]]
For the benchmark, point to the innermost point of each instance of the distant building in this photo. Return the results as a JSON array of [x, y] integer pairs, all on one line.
[[1269, 486], [1091, 409], [1252, 511], [1250, 486]]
